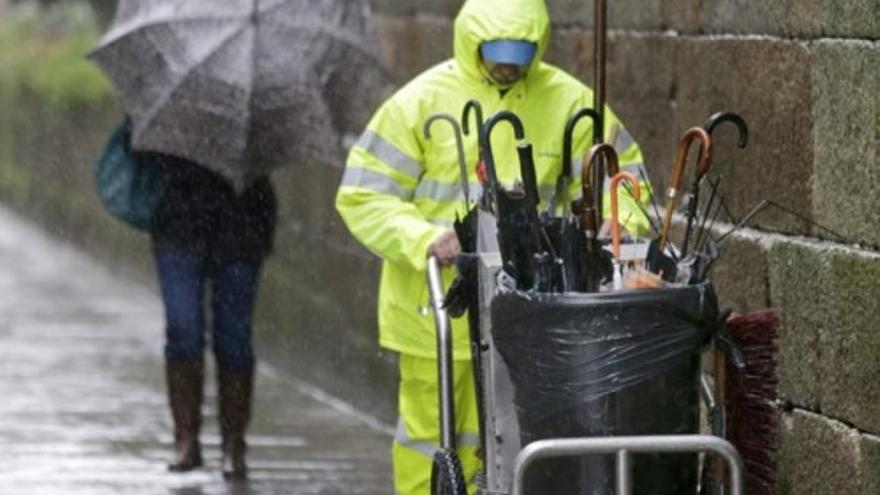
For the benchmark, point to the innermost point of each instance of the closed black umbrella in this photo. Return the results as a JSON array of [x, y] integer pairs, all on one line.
[[594, 263], [516, 209]]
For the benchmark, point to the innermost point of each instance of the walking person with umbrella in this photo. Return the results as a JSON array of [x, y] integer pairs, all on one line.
[[219, 94], [208, 237], [401, 192]]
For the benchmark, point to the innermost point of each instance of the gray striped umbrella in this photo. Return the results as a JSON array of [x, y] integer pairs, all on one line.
[[243, 86]]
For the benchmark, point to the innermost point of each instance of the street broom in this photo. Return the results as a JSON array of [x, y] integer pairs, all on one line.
[[750, 398]]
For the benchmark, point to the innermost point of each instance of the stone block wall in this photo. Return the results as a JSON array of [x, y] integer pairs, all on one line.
[[805, 74], [806, 77]]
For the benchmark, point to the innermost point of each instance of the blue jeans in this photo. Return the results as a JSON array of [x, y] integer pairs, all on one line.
[[183, 279]]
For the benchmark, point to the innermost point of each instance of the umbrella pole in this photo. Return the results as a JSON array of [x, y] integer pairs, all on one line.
[[599, 36]]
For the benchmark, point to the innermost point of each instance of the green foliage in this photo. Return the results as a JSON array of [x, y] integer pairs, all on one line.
[[43, 50]]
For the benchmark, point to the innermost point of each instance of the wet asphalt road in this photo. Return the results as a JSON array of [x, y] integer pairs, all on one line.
[[82, 401]]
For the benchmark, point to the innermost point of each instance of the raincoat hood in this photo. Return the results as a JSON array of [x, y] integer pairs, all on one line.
[[485, 20]]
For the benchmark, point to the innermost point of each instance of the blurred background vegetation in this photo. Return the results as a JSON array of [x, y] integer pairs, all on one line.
[[43, 48]]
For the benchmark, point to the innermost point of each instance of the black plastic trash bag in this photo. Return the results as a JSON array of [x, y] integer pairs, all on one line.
[[606, 364]]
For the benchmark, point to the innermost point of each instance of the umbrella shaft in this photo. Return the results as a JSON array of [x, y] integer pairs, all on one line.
[[599, 33], [600, 27]]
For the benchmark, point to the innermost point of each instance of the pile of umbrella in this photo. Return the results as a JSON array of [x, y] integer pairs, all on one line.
[[559, 249]]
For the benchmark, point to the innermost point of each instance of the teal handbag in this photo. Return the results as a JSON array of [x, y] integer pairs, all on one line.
[[129, 190]]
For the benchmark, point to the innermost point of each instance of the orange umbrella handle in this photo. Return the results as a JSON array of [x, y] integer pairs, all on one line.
[[615, 223], [704, 161]]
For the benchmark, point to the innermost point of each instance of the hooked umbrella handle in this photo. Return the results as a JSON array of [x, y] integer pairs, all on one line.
[[586, 207], [486, 144], [561, 192], [712, 122], [704, 161], [466, 112], [615, 217], [462, 164]]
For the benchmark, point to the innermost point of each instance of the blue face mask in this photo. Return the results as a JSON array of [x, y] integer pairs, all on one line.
[[510, 52]]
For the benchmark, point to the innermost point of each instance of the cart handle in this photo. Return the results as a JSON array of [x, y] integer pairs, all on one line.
[[444, 355], [623, 447]]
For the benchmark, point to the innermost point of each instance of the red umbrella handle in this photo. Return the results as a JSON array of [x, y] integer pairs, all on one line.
[[481, 171]]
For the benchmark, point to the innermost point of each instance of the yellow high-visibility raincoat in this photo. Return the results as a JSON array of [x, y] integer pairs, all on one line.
[[401, 191]]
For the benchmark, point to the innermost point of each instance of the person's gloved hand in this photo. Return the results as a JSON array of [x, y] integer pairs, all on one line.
[[445, 248]]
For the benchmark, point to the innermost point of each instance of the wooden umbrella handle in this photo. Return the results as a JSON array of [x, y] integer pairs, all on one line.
[[704, 161]]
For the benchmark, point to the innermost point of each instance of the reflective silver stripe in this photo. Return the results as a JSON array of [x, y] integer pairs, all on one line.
[[427, 449], [388, 153], [634, 168], [476, 192], [577, 167], [468, 439], [374, 181], [439, 191], [623, 141], [440, 223]]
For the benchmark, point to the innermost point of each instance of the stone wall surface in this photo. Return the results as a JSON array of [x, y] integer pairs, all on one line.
[[805, 74], [846, 117], [820, 456], [829, 344]]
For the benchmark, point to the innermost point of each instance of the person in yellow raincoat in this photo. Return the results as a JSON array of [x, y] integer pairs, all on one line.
[[400, 194]]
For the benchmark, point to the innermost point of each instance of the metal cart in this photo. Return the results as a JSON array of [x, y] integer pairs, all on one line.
[[506, 460]]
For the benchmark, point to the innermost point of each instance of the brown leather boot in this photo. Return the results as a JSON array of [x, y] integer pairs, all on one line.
[[235, 391], [185, 380]]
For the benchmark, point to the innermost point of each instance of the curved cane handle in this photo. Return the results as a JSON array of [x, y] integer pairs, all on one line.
[[615, 217]]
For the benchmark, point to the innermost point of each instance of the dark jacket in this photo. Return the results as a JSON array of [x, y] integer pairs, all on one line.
[[201, 214]]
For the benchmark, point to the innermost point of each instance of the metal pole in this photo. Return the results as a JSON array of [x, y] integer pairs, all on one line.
[[444, 355], [567, 447], [600, 27], [624, 483]]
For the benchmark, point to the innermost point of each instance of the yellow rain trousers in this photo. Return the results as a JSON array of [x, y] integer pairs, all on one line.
[[401, 191], [418, 429]]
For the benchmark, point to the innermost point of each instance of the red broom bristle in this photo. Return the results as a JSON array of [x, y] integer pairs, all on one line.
[[750, 398]]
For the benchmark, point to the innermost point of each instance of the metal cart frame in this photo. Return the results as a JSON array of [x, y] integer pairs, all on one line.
[[623, 447]]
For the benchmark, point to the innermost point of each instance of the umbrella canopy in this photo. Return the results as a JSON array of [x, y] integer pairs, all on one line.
[[242, 86]]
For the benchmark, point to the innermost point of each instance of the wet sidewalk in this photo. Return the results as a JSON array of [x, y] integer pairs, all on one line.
[[82, 400]]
